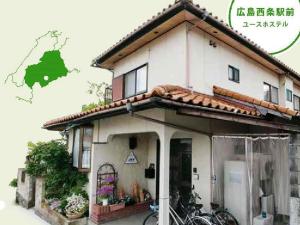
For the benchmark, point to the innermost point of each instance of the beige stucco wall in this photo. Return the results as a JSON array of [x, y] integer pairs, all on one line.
[[110, 144], [116, 152]]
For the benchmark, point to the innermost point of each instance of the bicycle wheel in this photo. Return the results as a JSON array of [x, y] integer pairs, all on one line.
[[151, 219], [197, 220], [226, 218]]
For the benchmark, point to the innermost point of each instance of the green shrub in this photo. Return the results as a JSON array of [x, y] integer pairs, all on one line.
[[45, 157], [52, 161], [14, 183]]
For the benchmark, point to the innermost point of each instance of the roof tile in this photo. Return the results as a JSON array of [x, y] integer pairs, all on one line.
[[170, 92], [248, 99]]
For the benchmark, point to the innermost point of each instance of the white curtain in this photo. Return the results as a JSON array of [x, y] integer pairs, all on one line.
[[267, 170]]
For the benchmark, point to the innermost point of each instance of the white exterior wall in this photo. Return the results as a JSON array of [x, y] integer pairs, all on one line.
[[165, 57], [209, 66]]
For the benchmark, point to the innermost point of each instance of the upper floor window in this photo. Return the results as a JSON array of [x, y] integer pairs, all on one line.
[[289, 95], [270, 93], [296, 100], [233, 74], [82, 146], [135, 82]]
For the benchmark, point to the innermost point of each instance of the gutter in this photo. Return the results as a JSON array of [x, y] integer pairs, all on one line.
[[157, 102]]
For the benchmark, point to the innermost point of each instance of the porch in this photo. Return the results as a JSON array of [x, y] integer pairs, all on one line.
[[155, 130]]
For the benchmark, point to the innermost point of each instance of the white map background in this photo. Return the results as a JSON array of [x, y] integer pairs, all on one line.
[[93, 26]]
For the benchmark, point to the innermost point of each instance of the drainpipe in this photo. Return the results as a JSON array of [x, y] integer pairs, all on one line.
[[187, 59], [187, 55]]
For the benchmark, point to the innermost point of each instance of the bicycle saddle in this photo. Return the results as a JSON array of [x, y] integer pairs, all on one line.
[[197, 206]]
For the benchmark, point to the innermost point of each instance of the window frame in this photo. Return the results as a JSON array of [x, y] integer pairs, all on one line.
[[135, 81], [294, 98], [234, 69], [80, 150], [289, 93], [270, 90]]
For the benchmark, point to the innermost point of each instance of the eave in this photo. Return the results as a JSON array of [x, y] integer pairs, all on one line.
[[186, 11]]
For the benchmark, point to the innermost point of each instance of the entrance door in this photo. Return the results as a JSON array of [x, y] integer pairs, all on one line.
[[181, 167]]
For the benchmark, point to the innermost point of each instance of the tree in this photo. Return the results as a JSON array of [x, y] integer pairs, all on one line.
[[97, 89]]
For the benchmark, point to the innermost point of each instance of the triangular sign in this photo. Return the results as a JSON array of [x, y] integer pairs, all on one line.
[[131, 159]]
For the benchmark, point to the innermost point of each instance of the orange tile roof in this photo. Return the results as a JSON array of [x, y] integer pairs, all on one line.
[[248, 99], [170, 92]]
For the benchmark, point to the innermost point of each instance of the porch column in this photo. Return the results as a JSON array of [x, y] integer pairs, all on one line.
[[165, 138]]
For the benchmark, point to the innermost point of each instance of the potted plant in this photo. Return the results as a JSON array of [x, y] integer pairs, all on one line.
[[76, 206], [104, 193]]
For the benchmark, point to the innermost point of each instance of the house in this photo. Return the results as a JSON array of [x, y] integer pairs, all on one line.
[[197, 102]]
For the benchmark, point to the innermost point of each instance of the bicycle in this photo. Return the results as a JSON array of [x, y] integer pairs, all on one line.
[[153, 218], [218, 215]]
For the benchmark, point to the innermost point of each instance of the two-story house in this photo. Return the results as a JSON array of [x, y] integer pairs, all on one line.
[[192, 97]]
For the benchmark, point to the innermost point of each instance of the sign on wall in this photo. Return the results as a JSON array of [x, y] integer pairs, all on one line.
[[131, 159]]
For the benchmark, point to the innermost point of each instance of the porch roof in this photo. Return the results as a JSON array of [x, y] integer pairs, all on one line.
[[235, 104]]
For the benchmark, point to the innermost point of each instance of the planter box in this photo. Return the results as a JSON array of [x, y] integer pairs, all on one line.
[[55, 218], [43, 210], [98, 210], [116, 207], [121, 213]]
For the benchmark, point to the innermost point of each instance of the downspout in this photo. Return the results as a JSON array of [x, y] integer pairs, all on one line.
[[187, 53], [187, 60]]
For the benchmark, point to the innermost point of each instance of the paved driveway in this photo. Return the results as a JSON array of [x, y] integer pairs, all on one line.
[[132, 220]]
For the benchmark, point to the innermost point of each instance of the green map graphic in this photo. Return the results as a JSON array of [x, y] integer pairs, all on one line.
[[51, 66]]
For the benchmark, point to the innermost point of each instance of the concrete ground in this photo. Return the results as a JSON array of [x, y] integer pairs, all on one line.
[[132, 220]]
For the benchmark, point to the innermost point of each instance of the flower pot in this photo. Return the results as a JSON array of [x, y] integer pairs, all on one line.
[[75, 216], [105, 202], [116, 207]]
